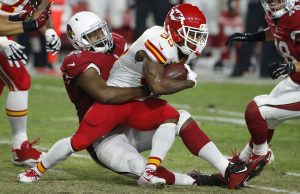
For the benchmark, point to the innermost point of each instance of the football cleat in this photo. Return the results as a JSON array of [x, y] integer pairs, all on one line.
[[149, 177], [202, 179], [29, 176], [259, 162], [237, 174], [27, 155]]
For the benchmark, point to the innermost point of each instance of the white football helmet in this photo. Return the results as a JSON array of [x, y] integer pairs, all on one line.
[[277, 8], [83, 27]]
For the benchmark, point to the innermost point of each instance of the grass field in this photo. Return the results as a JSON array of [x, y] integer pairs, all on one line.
[[218, 107]]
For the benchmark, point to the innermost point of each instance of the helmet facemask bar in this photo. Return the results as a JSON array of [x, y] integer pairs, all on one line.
[[277, 8], [103, 43], [195, 39]]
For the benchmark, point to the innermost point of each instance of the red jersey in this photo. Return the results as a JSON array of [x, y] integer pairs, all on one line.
[[285, 30], [78, 61]]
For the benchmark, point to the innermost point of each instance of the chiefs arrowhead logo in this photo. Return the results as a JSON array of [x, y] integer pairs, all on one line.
[[176, 15]]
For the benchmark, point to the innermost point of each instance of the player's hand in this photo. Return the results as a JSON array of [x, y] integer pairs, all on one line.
[[237, 37], [44, 16], [53, 43], [191, 74], [26, 12], [13, 52], [281, 69]]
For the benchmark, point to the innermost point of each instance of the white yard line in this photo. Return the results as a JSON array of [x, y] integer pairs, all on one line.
[[48, 88], [292, 174], [273, 189]]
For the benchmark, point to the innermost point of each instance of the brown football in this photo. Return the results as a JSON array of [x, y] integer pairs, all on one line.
[[176, 71]]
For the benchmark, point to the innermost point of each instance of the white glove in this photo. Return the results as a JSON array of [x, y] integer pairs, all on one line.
[[191, 75], [53, 43], [13, 52]]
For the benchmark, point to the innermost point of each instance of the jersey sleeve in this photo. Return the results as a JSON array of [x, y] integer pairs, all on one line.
[[76, 63], [160, 49]]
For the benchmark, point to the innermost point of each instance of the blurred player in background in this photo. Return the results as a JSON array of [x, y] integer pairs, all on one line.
[[230, 21], [265, 112], [13, 73]]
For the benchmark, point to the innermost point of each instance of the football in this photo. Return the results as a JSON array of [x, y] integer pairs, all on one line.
[[176, 71]]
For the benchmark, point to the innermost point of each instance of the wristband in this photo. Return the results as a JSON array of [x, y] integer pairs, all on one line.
[[29, 26], [13, 18]]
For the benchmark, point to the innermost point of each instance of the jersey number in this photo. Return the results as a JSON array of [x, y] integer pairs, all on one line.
[[283, 49], [168, 38]]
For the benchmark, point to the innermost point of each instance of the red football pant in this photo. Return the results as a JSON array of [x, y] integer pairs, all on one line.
[[15, 78], [100, 119]]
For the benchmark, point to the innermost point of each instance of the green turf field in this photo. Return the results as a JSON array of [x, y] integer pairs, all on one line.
[[218, 107]]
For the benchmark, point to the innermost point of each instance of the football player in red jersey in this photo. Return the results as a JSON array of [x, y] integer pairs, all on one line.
[[265, 112], [14, 75], [82, 78]]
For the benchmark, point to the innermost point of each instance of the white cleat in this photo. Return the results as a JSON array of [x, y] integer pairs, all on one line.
[[28, 176], [149, 178]]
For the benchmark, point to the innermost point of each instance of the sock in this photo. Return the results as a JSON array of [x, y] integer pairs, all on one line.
[[246, 153], [211, 153], [193, 138], [183, 179], [16, 111], [173, 178], [257, 126], [162, 141], [261, 149], [60, 151]]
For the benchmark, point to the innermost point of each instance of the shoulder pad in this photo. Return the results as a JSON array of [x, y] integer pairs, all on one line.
[[76, 62], [120, 44], [159, 46]]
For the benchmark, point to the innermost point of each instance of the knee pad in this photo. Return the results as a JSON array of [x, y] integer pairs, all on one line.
[[137, 165], [24, 81], [183, 117], [252, 112]]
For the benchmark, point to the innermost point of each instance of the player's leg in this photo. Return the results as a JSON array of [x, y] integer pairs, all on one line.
[[200, 145], [97, 122], [148, 115], [120, 153], [17, 80], [265, 112]]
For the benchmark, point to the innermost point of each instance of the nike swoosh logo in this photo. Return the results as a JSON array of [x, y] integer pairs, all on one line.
[[71, 65], [241, 171]]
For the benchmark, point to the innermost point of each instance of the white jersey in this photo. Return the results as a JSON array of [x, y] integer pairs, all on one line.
[[11, 7], [127, 72]]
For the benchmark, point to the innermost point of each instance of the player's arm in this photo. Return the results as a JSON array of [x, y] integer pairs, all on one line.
[[157, 83], [96, 87], [11, 27], [264, 35]]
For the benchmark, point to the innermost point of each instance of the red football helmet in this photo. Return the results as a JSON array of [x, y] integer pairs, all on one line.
[[186, 24]]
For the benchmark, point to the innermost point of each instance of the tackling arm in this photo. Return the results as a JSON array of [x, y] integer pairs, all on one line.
[[96, 87], [10, 28], [157, 83]]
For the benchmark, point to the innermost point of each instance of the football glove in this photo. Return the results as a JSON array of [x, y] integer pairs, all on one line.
[[191, 74], [281, 69], [26, 12], [247, 37], [53, 43], [13, 52]]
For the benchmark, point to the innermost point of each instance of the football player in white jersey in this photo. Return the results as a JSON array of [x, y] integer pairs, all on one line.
[[13, 73]]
